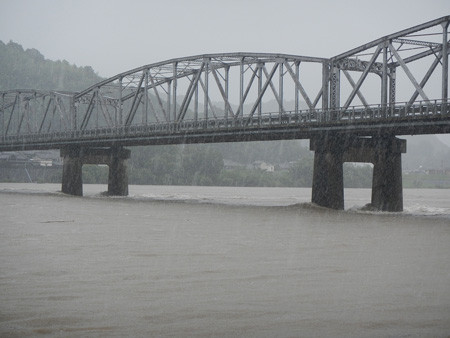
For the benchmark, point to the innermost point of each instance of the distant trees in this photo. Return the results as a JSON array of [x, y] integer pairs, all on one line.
[[28, 69], [275, 152], [95, 174], [182, 165], [302, 172], [357, 176], [200, 166], [203, 164]]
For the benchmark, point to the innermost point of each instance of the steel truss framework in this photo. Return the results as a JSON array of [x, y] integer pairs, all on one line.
[[224, 97]]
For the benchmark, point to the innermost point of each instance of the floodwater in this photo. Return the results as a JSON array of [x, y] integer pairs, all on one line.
[[222, 262]]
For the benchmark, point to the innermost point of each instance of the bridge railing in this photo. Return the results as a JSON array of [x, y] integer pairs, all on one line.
[[399, 110], [404, 111]]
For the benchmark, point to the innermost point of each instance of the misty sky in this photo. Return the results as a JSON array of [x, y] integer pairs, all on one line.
[[114, 36]]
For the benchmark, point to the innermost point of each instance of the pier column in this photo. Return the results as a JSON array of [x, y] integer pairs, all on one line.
[[387, 188], [328, 178], [118, 176], [72, 182]]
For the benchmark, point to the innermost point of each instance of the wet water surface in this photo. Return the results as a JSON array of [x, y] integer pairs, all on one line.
[[190, 261]]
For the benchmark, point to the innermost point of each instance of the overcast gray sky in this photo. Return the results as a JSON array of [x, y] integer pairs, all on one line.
[[113, 36]]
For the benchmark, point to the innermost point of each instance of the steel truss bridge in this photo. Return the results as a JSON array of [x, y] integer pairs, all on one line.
[[395, 85], [221, 97]]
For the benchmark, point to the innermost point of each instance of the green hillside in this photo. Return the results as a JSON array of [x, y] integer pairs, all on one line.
[[28, 69]]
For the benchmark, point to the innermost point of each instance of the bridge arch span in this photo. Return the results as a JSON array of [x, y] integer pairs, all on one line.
[[227, 85]]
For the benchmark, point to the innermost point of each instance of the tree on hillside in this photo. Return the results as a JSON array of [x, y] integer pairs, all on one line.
[[28, 69]]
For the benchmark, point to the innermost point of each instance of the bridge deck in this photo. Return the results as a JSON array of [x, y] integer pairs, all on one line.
[[402, 119]]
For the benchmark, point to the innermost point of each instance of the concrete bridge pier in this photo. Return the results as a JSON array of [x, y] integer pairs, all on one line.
[[118, 176], [328, 177], [387, 187], [75, 156], [72, 181], [384, 152]]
